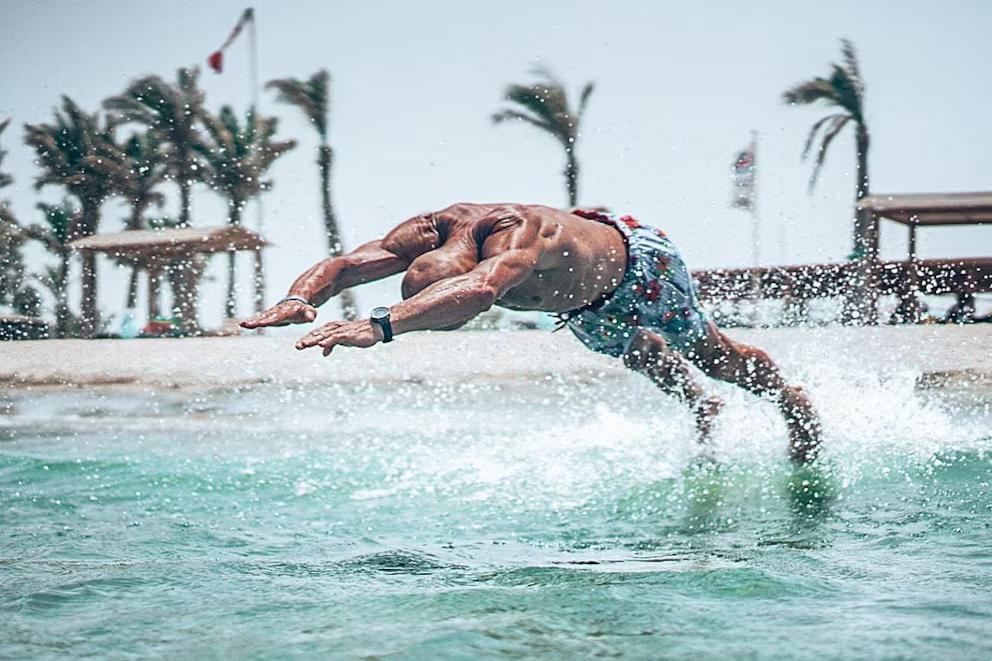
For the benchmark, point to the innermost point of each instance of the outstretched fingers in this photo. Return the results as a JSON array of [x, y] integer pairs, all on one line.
[[316, 336], [283, 314]]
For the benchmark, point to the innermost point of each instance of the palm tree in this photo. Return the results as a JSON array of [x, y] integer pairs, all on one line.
[[5, 179], [170, 112], [844, 90], [11, 239], [313, 98], [545, 105], [139, 172], [69, 152], [11, 260], [55, 235], [235, 160], [136, 174]]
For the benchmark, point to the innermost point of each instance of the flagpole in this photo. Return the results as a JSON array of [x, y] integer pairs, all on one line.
[[259, 276], [755, 231], [253, 66], [755, 221], [253, 46]]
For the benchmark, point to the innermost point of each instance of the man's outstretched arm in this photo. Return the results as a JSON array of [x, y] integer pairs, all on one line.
[[445, 304], [328, 278]]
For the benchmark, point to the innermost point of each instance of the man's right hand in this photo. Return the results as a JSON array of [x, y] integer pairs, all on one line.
[[282, 314]]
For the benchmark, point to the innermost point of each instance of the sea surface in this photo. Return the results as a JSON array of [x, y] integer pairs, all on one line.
[[554, 519]]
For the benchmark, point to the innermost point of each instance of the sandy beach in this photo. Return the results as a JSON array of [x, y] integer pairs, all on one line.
[[940, 355]]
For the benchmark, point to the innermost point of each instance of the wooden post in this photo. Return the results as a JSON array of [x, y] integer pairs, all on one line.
[[154, 274], [90, 323], [913, 277], [871, 269], [259, 281]]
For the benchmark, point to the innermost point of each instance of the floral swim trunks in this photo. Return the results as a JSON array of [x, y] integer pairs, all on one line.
[[656, 293]]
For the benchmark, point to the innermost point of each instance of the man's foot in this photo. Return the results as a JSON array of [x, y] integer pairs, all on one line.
[[706, 411], [804, 425]]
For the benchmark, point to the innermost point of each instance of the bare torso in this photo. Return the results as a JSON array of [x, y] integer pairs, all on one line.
[[579, 260]]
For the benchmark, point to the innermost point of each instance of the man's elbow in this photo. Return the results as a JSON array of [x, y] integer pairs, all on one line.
[[486, 296]]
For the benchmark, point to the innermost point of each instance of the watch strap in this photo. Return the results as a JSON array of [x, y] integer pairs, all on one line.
[[385, 325]]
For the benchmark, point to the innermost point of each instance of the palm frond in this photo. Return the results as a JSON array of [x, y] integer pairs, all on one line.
[[59, 227], [75, 151], [848, 97], [844, 87], [828, 137], [311, 96], [168, 110], [237, 154], [584, 98], [546, 103], [5, 179], [851, 65], [507, 114], [810, 91], [815, 129]]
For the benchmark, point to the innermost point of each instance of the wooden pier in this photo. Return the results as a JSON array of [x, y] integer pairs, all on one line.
[[861, 282], [906, 279]]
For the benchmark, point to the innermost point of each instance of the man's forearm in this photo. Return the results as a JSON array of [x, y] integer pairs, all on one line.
[[320, 282], [333, 275], [445, 304]]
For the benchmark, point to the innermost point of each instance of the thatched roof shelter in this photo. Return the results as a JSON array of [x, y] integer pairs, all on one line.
[[153, 250], [167, 244]]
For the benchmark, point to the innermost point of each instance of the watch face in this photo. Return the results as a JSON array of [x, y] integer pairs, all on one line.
[[380, 313]]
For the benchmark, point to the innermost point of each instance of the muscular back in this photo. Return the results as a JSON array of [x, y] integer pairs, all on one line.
[[575, 260]]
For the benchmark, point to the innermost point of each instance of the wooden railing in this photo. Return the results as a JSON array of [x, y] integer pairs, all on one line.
[[905, 279]]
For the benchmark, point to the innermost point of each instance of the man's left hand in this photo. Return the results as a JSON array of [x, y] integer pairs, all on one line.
[[341, 333]]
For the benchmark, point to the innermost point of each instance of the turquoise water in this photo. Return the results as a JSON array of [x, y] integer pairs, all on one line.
[[557, 519]]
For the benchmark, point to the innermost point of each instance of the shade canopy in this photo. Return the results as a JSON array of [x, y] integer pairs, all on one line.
[[931, 208], [168, 243]]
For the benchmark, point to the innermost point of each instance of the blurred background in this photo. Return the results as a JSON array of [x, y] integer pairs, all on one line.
[[413, 86]]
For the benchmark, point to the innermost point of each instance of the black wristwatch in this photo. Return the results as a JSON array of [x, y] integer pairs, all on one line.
[[380, 316]]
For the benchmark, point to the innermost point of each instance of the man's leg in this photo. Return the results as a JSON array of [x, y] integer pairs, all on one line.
[[650, 355], [752, 369]]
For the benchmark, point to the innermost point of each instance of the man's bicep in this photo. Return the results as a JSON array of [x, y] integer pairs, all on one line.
[[369, 262]]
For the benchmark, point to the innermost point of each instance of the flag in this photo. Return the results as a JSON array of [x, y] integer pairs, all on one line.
[[216, 59], [742, 175]]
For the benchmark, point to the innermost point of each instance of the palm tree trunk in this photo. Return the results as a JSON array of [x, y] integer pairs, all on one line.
[[62, 295], [184, 281], [184, 170], [184, 200], [324, 158], [90, 313], [862, 238], [132, 287], [335, 247], [862, 302], [571, 176], [233, 218]]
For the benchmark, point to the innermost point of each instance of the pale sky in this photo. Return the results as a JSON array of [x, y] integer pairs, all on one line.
[[679, 87]]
